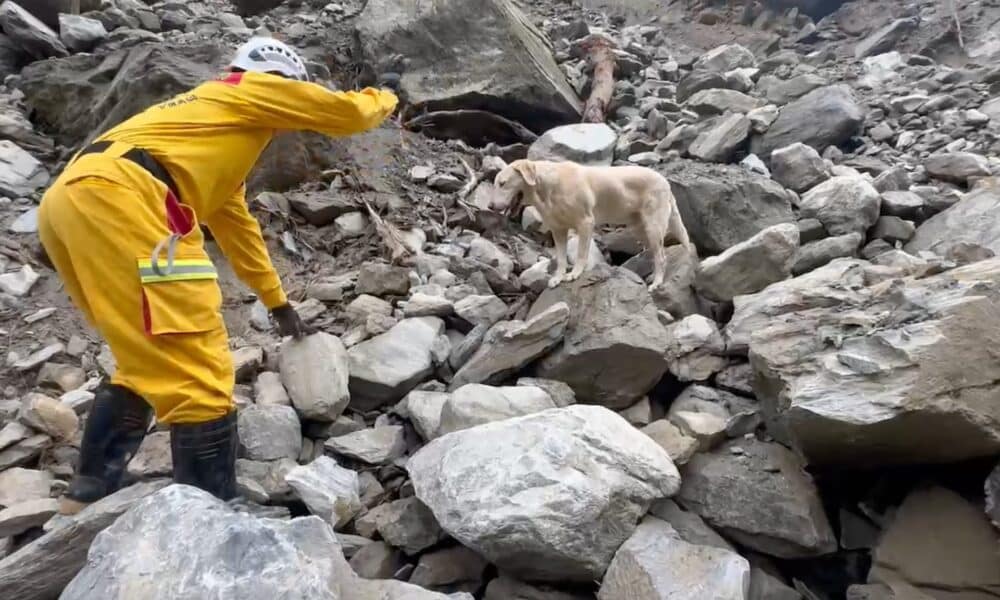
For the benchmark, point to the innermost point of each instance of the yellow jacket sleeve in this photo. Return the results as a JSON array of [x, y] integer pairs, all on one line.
[[277, 103], [238, 234]]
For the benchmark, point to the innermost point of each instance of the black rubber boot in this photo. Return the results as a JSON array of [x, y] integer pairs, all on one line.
[[114, 430], [204, 455]]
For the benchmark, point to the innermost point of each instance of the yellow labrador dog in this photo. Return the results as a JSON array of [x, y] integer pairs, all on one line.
[[572, 196]]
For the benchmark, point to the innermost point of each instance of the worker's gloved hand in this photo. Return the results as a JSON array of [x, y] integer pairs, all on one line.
[[389, 81], [289, 322]]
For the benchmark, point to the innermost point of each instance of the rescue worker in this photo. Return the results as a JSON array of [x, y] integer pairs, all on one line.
[[121, 227]]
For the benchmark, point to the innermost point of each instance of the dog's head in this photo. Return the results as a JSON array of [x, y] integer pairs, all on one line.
[[516, 179]]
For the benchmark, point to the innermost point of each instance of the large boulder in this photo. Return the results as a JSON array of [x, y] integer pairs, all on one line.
[[759, 495], [460, 55], [723, 205], [584, 143], [314, 371], [750, 266], [844, 204], [86, 94], [557, 502], [509, 346], [476, 404], [798, 167], [612, 352], [34, 36], [721, 141], [655, 563], [957, 167], [826, 116], [42, 568], [160, 549], [960, 557], [386, 367], [901, 372], [962, 223]]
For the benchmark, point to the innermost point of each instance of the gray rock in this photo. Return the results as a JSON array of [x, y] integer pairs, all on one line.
[[409, 525], [484, 251], [645, 159], [679, 446], [720, 101], [153, 458], [268, 389], [481, 309], [19, 485], [884, 39], [993, 496], [892, 230], [690, 527], [844, 204], [80, 34], [320, 209], [798, 167], [506, 588], [696, 81], [377, 560], [875, 591], [24, 451], [26, 223], [782, 91], [16, 519], [612, 315], [826, 116], [19, 283], [386, 367], [379, 279], [725, 58], [267, 476], [423, 409], [452, 50], [50, 416], [376, 446], [903, 204], [583, 143], [694, 348], [444, 182], [761, 498], [426, 305], [315, 372], [721, 141], [962, 223], [655, 563], [41, 569], [896, 388], [270, 432], [957, 167], [456, 567], [509, 346], [764, 586], [582, 508], [816, 254], [475, 404], [20, 172], [723, 205], [810, 230], [12, 433], [35, 37], [157, 544], [560, 393], [962, 556], [331, 492], [749, 266]]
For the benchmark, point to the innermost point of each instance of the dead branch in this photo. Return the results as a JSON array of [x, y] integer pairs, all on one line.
[[391, 236], [471, 184], [601, 59], [958, 23]]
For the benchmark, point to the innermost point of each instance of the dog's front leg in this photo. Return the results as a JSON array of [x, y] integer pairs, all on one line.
[[559, 236], [584, 233]]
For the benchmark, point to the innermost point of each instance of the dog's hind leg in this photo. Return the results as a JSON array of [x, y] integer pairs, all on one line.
[[560, 237], [584, 235], [654, 230], [679, 233]]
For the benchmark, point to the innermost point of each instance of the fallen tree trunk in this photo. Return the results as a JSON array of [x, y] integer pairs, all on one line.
[[599, 54]]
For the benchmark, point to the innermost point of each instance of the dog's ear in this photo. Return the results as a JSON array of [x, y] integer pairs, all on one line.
[[527, 170]]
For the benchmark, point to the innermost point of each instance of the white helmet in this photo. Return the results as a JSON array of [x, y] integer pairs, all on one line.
[[268, 55]]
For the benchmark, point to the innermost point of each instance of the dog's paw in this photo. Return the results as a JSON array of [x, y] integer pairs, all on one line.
[[555, 281], [573, 276]]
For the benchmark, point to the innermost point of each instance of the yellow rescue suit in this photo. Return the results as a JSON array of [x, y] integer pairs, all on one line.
[[105, 217]]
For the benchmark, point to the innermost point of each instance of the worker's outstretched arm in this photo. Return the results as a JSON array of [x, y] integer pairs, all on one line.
[[278, 103], [238, 234]]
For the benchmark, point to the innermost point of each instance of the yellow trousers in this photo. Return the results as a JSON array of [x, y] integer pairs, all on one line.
[[164, 325]]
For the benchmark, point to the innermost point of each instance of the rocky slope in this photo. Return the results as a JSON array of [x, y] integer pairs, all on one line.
[[809, 412]]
